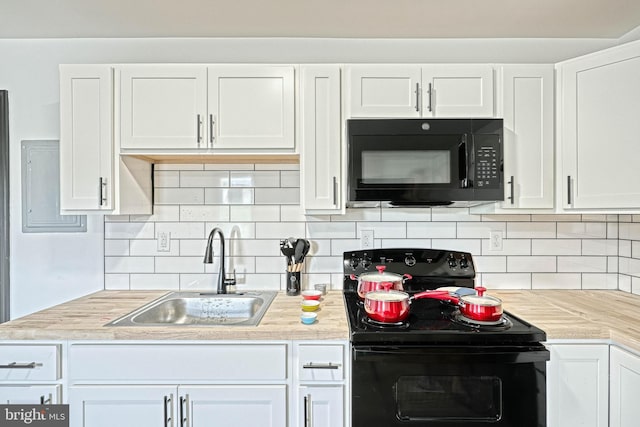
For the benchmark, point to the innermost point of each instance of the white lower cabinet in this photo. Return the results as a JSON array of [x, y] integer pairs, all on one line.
[[577, 385], [193, 406], [625, 388], [323, 406]]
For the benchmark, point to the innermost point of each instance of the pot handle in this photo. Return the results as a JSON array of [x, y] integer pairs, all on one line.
[[441, 295], [381, 268], [353, 277], [406, 276], [386, 285], [481, 290]]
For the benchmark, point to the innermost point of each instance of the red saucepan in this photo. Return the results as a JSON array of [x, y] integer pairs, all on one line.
[[368, 282], [391, 306], [475, 306]]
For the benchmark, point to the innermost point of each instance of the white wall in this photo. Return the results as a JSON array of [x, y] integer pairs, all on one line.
[[50, 268]]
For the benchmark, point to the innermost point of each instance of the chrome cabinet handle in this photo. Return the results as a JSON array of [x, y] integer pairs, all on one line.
[[183, 412], [307, 410], [418, 97], [511, 196], [569, 189], [335, 191], [46, 400], [198, 133], [16, 365], [103, 191], [329, 365], [212, 137], [167, 416], [429, 98]]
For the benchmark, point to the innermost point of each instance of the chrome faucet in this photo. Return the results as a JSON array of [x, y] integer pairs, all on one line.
[[208, 259]]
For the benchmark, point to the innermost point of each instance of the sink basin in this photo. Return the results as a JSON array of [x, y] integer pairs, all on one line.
[[200, 309]]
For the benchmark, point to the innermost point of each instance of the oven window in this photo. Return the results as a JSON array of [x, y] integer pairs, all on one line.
[[449, 398], [406, 167]]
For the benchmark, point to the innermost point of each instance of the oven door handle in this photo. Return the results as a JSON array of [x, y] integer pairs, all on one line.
[[491, 354]]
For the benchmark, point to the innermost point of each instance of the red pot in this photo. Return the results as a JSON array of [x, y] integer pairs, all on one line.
[[392, 306], [369, 282], [478, 306]]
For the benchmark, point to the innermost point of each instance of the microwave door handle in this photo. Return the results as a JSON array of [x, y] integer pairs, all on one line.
[[463, 154]]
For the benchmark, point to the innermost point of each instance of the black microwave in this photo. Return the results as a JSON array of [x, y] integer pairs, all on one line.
[[425, 162]]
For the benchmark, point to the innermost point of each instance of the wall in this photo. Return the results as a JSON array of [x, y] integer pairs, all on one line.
[[630, 253], [51, 268], [257, 205]]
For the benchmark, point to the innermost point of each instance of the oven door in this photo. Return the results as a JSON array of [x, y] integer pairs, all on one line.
[[449, 386]]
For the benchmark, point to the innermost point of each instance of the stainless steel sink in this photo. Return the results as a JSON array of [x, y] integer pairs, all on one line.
[[200, 309]]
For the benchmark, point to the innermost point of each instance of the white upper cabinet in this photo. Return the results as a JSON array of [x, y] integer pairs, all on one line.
[[599, 111], [457, 91], [321, 148], [251, 107], [162, 106], [420, 91], [86, 138], [526, 103]]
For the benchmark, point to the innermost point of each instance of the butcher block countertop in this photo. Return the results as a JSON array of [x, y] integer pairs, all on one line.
[[84, 319], [562, 314]]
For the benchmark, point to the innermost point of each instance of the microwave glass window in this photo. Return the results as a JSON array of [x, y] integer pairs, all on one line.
[[406, 167], [449, 398]]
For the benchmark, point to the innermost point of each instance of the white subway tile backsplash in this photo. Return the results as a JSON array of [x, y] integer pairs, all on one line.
[[129, 230], [204, 179], [255, 179], [556, 247], [431, 230], [256, 205], [228, 196], [555, 281], [531, 230], [155, 281], [255, 213], [532, 264], [179, 264], [283, 196], [179, 196]]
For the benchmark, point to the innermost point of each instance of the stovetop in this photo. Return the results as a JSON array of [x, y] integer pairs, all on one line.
[[430, 321]]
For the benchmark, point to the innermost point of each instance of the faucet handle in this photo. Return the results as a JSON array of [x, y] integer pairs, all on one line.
[[230, 283]]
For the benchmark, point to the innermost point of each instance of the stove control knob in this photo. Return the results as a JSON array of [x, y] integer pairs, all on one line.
[[365, 263], [410, 260], [353, 263], [452, 263], [464, 263]]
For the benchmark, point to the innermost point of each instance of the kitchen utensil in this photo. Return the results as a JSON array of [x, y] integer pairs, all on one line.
[[310, 305], [368, 282], [476, 306], [311, 294], [299, 253], [391, 306], [308, 318], [289, 251]]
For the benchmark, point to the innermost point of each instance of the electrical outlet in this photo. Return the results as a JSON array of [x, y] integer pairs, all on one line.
[[164, 241], [366, 239], [495, 240]]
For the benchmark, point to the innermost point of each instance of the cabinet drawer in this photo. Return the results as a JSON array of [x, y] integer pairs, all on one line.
[[177, 363], [29, 363], [29, 394], [321, 362]]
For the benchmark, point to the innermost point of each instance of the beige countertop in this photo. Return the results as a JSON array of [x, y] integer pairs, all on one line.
[[84, 319], [562, 314]]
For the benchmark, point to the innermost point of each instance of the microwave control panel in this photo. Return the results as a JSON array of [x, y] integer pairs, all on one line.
[[487, 165]]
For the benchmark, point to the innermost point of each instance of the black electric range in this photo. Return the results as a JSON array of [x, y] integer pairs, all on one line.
[[437, 369]]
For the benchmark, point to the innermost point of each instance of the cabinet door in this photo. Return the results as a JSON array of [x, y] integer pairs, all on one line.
[[457, 91], [251, 107], [29, 394], [321, 150], [600, 106], [577, 388], [625, 388], [322, 406], [124, 406], [86, 138], [234, 406], [163, 107], [383, 90], [527, 108]]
